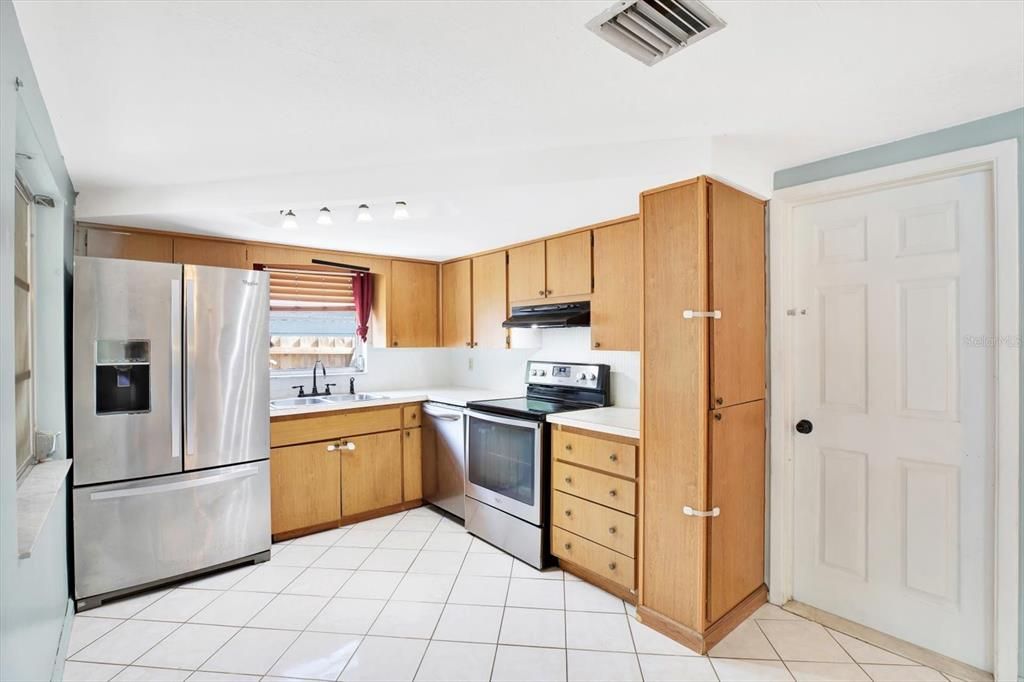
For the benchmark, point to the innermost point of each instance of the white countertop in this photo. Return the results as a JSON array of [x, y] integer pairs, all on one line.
[[618, 421], [453, 395]]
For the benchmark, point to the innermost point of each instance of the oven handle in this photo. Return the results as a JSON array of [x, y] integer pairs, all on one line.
[[509, 421]]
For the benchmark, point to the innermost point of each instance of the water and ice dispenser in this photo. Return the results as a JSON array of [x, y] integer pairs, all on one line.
[[122, 376]]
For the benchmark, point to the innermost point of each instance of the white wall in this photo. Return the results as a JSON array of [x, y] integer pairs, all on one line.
[[498, 369]]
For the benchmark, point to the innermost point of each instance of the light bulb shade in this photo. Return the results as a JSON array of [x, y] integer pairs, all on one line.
[[401, 211], [324, 218], [288, 222], [363, 214]]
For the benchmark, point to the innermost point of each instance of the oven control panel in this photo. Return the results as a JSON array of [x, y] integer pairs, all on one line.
[[563, 374]]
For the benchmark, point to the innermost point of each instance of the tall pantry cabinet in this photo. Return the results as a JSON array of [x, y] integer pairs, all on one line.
[[703, 424]]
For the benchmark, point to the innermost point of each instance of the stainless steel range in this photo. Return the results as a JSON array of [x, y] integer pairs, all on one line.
[[507, 458]]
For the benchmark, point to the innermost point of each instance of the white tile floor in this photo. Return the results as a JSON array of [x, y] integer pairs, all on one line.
[[413, 596]]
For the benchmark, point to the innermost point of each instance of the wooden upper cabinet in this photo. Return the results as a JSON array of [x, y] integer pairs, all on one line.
[[490, 300], [737, 288], [568, 265], [456, 304], [210, 252], [412, 305], [130, 245], [615, 318], [526, 265]]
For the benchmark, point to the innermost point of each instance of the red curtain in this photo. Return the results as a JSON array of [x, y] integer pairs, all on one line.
[[362, 290]]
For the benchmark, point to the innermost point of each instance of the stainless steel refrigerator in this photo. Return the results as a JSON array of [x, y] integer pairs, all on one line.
[[171, 423]]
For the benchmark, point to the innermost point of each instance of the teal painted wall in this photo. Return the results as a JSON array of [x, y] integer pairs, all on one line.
[[1005, 126], [33, 591]]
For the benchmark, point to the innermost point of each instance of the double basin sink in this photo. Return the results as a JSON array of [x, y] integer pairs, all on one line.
[[284, 403]]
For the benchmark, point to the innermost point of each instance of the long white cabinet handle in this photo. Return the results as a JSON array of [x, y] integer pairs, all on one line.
[[690, 511], [690, 314], [348, 445]]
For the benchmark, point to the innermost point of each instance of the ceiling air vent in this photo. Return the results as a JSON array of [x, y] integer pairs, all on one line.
[[651, 30]]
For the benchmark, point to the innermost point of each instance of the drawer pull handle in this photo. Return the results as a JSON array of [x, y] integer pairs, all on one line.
[[612, 530], [613, 457], [613, 492], [568, 446], [344, 445], [568, 479], [611, 566], [568, 512], [568, 545]]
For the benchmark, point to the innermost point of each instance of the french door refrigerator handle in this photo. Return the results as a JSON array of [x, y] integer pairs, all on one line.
[[244, 472], [190, 366], [176, 368]]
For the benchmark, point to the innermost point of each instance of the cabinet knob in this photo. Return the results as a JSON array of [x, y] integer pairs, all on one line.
[[408, 434], [540, 293], [613, 492], [613, 457], [548, 292], [568, 446], [568, 479], [597, 344], [612, 530], [718, 416], [394, 343], [568, 512], [469, 344], [568, 545], [719, 401], [612, 566]]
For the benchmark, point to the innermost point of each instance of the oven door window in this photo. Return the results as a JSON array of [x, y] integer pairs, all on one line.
[[502, 459]]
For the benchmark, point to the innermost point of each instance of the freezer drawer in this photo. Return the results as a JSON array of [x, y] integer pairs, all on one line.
[[130, 534]]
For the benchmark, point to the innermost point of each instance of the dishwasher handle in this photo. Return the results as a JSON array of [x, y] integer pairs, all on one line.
[[447, 414]]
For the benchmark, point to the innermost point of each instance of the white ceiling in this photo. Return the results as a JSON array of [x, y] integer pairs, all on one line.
[[496, 121]]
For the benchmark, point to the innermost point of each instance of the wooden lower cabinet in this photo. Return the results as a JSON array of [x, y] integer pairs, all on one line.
[[412, 465], [371, 472], [314, 471], [340, 479], [593, 508]]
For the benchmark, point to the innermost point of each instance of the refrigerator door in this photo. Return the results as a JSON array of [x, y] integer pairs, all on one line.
[[139, 532], [126, 369], [227, 375]]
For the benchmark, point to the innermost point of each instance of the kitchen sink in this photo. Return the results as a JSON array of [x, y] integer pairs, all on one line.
[[295, 402], [348, 397]]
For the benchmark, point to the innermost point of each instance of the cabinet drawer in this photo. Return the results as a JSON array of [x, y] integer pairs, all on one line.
[[607, 527], [410, 416], [590, 485], [309, 428], [593, 557], [606, 455]]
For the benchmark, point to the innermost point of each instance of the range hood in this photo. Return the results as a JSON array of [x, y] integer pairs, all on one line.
[[549, 315]]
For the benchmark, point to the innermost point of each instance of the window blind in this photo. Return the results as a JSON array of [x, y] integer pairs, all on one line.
[[309, 287]]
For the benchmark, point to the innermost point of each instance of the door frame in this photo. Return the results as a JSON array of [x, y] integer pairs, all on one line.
[[1000, 159]]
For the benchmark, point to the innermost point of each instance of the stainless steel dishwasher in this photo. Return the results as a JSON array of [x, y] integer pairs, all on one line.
[[444, 457]]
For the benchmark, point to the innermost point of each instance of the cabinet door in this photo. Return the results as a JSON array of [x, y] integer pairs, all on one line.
[[615, 306], [130, 245], [526, 272], [210, 252], [568, 265], [675, 403], [456, 304], [305, 486], [371, 472], [736, 551], [737, 288], [412, 465], [412, 318], [490, 301]]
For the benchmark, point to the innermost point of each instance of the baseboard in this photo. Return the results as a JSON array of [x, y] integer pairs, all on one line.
[[913, 652], [702, 642], [57, 674]]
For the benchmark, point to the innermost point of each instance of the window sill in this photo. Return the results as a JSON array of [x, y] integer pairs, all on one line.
[[35, 496]]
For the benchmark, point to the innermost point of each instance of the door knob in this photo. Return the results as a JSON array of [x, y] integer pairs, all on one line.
[[804, 426]]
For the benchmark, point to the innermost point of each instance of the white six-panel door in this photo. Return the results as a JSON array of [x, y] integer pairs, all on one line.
[[893, 506]]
